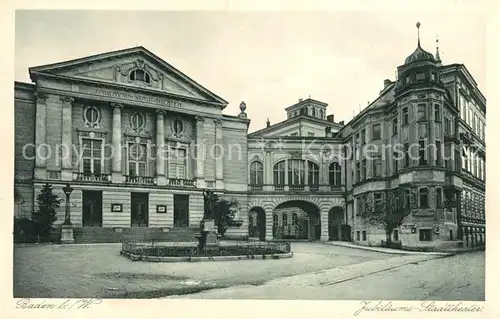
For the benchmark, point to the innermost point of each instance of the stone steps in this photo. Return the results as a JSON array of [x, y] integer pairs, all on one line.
[[85, 235]]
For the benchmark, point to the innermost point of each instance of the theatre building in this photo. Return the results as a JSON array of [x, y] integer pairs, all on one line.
[[141, 137], [145, 140]]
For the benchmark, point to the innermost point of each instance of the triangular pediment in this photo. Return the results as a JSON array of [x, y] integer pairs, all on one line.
[[117, 67]]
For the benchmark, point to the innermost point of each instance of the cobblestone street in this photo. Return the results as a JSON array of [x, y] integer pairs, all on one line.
[[99, 271]]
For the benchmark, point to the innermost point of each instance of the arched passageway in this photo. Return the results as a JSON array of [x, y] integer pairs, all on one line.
[[257, 223], [296, 219], [337, 227]]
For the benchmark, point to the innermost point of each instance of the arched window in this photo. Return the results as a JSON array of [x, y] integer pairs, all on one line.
[[335, 174], [313, 112], [279, 173], [321, 114], [313, 174], [296, 172], [303, 111], [294, 219], [405, 116], [137, 121], [140, 75], [423, 195], [256, 173], [285, 219]]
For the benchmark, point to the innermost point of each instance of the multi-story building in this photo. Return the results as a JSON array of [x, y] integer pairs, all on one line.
[[419, 143]]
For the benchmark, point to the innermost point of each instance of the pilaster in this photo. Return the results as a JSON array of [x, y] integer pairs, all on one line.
[[41, 136], [160, 148], [219, 158], [67, 131], [199, 153], [117, 176]]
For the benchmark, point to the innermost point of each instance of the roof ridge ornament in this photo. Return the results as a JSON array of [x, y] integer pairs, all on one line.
[[438, 57], [418, 33]]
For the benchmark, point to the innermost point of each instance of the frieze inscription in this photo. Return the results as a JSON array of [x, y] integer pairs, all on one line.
[[136, 97]]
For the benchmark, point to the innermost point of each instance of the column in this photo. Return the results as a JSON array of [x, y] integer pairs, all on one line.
[[67, 154], [269, 224], [324, 225], [41, 137], [160, 148], [200, 153], [287, 187], [117, 176], [219, 160]]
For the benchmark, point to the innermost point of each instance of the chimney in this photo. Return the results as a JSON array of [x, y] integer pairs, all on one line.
[[268, 123], [341, 122], [330, 118], [387, 82], [300, 99]]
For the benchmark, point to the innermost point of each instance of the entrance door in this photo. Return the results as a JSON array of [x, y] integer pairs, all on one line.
[[139, 209], [181, 210], [92, 209]]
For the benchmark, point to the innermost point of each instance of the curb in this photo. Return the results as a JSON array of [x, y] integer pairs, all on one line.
[[203, 258], [392, 251]]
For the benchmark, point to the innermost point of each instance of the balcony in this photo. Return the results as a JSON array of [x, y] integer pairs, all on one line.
[[181, 182], [301, 188], [91, 177], [140, 180]]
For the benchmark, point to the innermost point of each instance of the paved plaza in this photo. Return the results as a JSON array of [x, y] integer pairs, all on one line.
[[316, 271]]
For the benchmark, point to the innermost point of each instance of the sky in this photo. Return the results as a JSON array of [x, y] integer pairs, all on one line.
[[267, 59]]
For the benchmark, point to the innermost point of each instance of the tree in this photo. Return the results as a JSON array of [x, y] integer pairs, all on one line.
[[221, 210], [224, 214], [46, 215], [392, 211]]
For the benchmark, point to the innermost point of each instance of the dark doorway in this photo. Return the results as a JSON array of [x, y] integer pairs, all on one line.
[[451, 234], [92, 209], [305, 222], [181, 210], [139, 209], [335, 223]]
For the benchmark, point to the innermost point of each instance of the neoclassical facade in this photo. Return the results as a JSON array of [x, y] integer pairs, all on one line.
[[144, 140]]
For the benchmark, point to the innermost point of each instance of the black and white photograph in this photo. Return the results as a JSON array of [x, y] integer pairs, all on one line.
[[249, 155]]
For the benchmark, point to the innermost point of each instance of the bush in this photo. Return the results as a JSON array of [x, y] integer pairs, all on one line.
[[25, 230]]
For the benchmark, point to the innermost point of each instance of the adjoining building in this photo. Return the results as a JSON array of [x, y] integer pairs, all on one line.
[[307, 177]]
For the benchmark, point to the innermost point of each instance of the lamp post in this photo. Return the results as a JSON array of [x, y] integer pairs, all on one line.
[[67, 228], [67, 216]]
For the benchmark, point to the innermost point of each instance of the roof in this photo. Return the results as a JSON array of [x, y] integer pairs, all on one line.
[[49, 68], [419, 55]]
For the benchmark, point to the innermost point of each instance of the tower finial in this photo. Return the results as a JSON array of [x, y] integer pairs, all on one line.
[[438, 58], [418, 32]]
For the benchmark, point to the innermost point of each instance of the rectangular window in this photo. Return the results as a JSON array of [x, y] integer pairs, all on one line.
[[425, 235], [376, 133], [439, 157], [437, 113], [447, 126], [377, 167], [456, 159], [363, 137], [92, 156], [395, 157], [285, 220], [407, 156], [364, 235], [378, 202], [423, 197], [394, 126], [420, 76], [474, 117], [407, 200], [423, 132], [439, 198], [421, 112], [177, 163], [137, 159], [422, 160], [357, 236], [363, 169], [437, 130]]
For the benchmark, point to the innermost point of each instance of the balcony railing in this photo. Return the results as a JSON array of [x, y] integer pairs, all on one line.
[[91, 177], [296, 188], [181, 182], [255, 187], [140, 180]]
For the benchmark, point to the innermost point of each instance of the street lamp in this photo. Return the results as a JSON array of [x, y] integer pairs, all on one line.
[[67, 217]]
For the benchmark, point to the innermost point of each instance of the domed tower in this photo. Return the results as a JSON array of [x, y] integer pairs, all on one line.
[[421, 97], [420, 70]]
